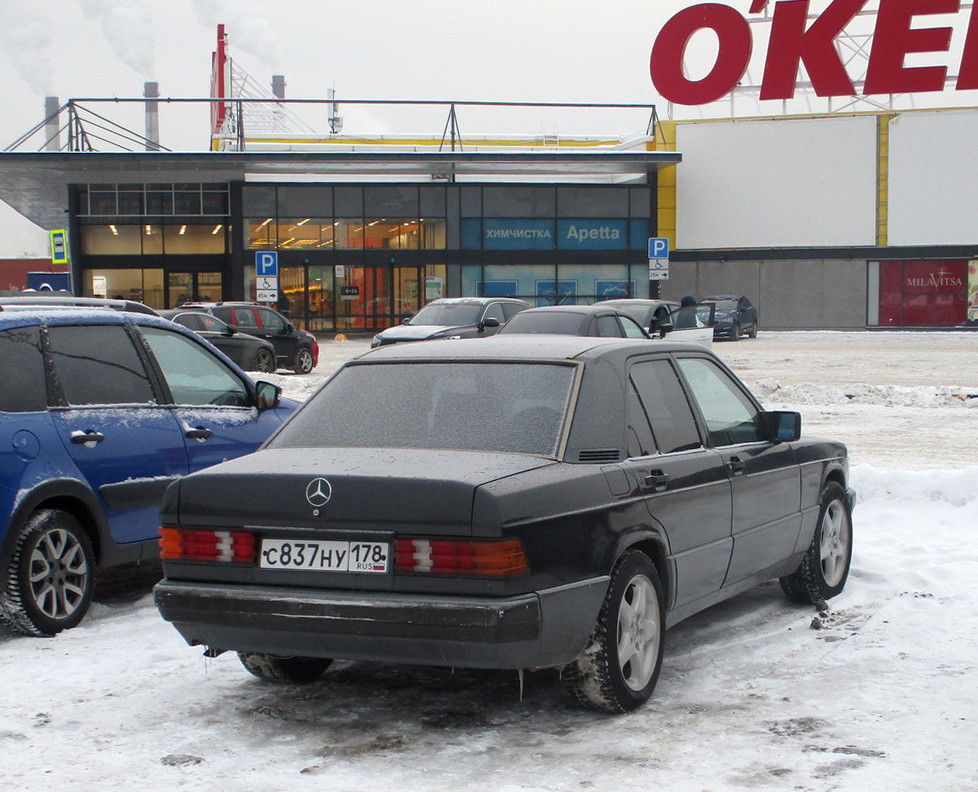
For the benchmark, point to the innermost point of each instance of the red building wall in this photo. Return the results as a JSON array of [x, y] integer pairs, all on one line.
[[13, 272]]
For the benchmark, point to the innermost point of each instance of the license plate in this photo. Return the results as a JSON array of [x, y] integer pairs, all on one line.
[[331, 556]]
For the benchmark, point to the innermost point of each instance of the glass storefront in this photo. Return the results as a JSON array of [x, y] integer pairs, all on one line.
[[553, 284], [360, 257], [341, 297], [923, 293]]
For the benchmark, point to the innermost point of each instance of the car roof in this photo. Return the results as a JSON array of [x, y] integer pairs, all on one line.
[[532, 346], [28, 315], [637, 301], [583, 310], [63, 301], [475, 300]]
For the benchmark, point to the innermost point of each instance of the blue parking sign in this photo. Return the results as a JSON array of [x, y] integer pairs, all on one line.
[[266, 264], [659, 248]]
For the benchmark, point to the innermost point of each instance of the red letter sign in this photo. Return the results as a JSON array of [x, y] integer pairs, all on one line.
[[894, 39], [791, 43], [669, 50]]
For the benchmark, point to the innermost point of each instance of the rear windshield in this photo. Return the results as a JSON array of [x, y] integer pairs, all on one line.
[[481, 406], [448, 314]]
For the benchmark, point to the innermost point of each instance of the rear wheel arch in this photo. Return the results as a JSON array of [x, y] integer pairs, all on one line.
[[655, 548], [72, 499]]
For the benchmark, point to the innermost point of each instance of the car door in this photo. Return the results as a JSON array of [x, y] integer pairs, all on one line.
[[685, 484], [125, 442], [764, 475], [213, 405], [277, 329], [693, 324]]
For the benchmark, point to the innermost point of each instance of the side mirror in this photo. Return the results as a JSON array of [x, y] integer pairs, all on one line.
[[230, 330], [269, 395], [664, 328], [489, 321], [781, 426]]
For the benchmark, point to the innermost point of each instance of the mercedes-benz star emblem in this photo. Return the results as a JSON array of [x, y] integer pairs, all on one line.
[[318, 492]]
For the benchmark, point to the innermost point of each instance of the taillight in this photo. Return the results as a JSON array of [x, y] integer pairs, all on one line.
[[502, 559], [178, 544]]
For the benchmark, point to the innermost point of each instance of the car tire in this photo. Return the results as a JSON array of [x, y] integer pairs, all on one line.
[[51, 575], [265, 361], [303, 361], [276, 668], [823, 572], [619, 666]]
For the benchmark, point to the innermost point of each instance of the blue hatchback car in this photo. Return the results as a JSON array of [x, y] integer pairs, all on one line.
[[100, 410]]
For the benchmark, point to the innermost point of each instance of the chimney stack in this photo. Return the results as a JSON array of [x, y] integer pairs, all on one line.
[[52, 126], [151, 92]]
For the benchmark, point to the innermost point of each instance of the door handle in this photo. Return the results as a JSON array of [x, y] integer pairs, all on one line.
[[656, 480], [736, 466], [199, 433], [88, 436]]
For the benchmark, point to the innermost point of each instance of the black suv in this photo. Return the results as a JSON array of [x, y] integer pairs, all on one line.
[[294, 348]]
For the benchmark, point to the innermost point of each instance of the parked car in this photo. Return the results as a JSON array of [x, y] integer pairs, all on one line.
[[250, 352], [454, 317], [662, 317], [735, 316], [580, 320], [295, 349], [520, 502], [99, 411]]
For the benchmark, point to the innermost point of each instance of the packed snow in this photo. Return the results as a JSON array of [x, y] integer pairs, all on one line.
[[879, 692]]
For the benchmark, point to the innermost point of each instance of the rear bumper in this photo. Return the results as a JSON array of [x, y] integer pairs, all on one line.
[[535, 630]]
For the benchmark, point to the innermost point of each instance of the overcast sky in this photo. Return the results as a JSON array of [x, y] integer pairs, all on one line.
[[476, 50]]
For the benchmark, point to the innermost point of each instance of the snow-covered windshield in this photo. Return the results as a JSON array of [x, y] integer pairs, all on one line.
[[474, 405], [723, 306], [448, 314]]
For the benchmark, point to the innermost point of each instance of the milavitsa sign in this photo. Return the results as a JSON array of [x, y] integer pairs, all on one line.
[[910, 50]]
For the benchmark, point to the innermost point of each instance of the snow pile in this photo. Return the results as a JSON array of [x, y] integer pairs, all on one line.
[[878, 395]]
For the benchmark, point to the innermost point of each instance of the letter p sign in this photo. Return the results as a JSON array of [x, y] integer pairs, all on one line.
[[659, 248], [266, 265]]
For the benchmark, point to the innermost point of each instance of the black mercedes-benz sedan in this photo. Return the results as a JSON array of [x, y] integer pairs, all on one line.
[[516, 502]]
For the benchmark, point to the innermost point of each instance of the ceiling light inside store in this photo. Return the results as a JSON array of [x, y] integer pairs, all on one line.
[[217, 229]]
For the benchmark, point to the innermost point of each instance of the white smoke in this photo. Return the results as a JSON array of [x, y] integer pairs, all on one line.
[[248, 31], [26, 42], [128, 27]]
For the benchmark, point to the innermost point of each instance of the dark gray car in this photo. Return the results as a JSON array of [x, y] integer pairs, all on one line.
[[454, 317], [248, 351], [522, 502]]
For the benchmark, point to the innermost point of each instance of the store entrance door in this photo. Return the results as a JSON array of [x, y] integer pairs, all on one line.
[[373, 298], [184, 287]]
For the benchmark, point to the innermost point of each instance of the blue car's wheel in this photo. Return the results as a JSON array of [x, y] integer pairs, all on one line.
[[50, 577]]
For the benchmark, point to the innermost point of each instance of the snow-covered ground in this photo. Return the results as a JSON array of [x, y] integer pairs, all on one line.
[[879, 693]]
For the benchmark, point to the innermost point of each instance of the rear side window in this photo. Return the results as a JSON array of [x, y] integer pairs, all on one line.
[[22, 384], [666, 407], [98, 364]]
